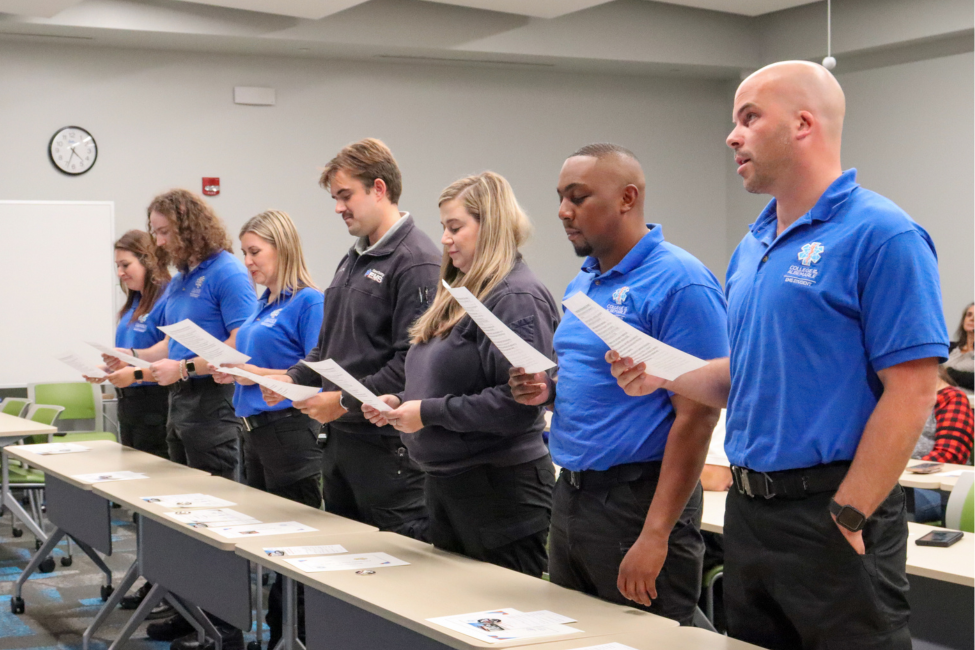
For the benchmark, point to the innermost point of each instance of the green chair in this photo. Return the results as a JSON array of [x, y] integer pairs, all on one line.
[[710, 578], [15, 406], [81, 401], [960, 513]]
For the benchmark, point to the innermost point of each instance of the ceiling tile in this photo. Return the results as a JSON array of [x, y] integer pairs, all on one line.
[[534, 8], [743, 7], [311, 9], [35, 8]]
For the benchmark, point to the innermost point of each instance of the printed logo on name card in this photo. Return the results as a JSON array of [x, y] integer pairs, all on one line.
[[375, 276], [199, 287]]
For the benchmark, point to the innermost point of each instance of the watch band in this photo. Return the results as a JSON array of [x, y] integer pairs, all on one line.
[[139, 375], [191, 368], [847, 516]]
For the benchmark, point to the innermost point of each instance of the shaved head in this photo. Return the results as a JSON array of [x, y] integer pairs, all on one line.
[[788, 128], [801, 86]]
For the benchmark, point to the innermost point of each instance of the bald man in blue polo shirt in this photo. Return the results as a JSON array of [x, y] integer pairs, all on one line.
[[836, 327], [626, 509]]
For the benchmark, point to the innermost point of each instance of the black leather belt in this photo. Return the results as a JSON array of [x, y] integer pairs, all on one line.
[[252, 422], [790, 483], [594, 479], [141, 391]]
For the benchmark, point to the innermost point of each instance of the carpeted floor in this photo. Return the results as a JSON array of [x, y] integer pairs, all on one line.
[[60, 605]]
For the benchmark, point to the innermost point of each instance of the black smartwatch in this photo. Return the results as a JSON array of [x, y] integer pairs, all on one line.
[[847, 516], [138, 375], [191, 368]]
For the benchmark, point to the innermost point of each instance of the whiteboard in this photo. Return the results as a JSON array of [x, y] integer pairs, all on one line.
[[58, 286]]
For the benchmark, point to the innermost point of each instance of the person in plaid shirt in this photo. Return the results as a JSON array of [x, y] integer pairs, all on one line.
[[947, 436]]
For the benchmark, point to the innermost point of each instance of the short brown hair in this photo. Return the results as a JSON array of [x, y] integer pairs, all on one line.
[[367, 160], [198, 231]]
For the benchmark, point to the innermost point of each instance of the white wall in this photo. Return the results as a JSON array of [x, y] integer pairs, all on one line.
[[164, 119], [909, 132]]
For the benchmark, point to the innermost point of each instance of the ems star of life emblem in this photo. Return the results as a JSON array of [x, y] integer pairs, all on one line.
[[811, 253]]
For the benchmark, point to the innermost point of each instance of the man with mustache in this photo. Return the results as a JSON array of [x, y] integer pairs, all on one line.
[[381, 286], [834, 306], [628, 497]]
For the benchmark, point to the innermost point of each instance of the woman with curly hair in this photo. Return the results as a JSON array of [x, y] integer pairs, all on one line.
[[214, 290]]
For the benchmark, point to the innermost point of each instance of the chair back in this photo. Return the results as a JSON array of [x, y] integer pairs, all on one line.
[[43, 414], [81, 401], [960, 513], [15, 406]]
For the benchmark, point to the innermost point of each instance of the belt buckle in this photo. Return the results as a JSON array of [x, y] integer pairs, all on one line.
[[745, 486], [575, 479], [247, 424]]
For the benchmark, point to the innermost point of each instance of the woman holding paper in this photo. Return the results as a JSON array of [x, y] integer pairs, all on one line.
[[281, 449], [489, 473], [142, 405]]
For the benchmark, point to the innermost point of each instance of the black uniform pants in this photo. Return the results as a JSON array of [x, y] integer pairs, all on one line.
[[371, 478], [283, 458], [791, 579], [499, 515], [203, 430], [595, 525], [142, 415]]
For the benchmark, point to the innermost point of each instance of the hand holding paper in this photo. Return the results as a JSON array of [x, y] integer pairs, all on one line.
[[127, 358], [514, 348], [661, 359], [79, 364], [203, 344], [338, 376], [294, 392]]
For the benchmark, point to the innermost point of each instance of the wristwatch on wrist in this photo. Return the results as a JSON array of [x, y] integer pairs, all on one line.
[[191, 368], [847, 516], [138, 375]]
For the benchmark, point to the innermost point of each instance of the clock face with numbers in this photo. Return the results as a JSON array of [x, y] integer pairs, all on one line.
[[73, 150]]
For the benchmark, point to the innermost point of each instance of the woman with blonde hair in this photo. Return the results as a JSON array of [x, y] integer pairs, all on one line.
[[281, 449], [489, 473]]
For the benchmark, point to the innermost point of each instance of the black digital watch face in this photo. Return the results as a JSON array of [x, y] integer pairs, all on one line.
[[850, 519]]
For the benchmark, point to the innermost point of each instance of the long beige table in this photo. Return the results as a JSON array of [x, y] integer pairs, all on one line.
[[388, 608], [672, 638], [196, 569], [938, 481], [13, 429], [84, 516]]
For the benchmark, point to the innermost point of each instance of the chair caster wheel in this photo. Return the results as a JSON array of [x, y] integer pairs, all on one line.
[[47, 566], [18, 532], [106, 592], [17, 605], [253, 645], [66, 561]]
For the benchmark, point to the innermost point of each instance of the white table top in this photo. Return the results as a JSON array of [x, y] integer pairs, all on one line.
[[936, 481], [437, 583], [953, 564], [671, 638], [105, 456], [265, 507], [12, 426]]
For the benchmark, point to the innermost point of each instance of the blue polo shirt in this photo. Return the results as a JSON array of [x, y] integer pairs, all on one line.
[[849, 289], [142, 332], [661, 290], [217, 295], [278, 335]]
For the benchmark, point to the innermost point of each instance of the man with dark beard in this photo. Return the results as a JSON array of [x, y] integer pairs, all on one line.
[[628, 497]]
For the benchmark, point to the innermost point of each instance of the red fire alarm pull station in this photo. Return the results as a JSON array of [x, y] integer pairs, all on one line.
[[211, 186]]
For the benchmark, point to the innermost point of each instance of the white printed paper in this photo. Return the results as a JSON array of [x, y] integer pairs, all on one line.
[[192, 336], [127, 358], [294, 392], [210, 518], [662, 360], [79, 364], [285, 551], [262, 530], [514, 348], [188, 501], [338, 376], [350, 562], [54, 448], [104, 477], [506, 624]]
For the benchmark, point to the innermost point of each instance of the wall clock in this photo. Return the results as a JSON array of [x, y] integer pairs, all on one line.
[[73, 150]]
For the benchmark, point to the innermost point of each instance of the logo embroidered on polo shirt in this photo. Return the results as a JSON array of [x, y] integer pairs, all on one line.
[[619, 297], [811, 253], [199, 287], [272, 318], [375, 276], [141, 325]]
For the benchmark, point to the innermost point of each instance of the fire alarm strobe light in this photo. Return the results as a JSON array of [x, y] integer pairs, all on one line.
[[211, 186]]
